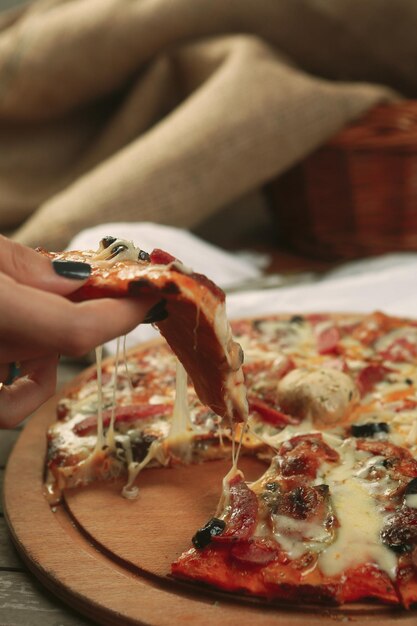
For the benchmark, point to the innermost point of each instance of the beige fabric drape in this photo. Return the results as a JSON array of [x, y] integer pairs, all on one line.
[[168, 110]]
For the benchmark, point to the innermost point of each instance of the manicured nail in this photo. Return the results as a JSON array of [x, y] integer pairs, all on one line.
[[157, 313], [72, 269]]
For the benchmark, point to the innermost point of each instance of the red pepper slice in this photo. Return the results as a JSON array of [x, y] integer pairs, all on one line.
[[270, 415], [328, 340], [160, 257]]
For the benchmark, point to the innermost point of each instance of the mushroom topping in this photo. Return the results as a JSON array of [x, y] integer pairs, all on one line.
[[325, 395], [114, 250]]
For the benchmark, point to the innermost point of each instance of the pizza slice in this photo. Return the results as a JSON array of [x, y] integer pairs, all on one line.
[[196, 325], [90, 441], [332, 519]]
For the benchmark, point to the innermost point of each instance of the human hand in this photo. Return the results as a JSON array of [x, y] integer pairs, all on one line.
[[37, 324]]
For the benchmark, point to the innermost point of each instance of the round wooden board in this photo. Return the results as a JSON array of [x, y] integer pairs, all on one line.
[[110, 558]]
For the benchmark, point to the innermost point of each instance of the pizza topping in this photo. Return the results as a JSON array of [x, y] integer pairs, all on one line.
[[360, 524], [396, 459], [411, 488], [369, 376], [255, 552], [327, 339], [369, 429], [400, 532], [107, 241], [327, 396], [123, 414], [410, 494], [240, 513], [270, 415], [204, 536], [112, 250], [304, 454]]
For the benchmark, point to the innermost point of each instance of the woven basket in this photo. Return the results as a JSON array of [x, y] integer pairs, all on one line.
[[357, 195]]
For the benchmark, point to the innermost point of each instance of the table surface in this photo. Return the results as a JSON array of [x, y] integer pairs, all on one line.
[[23, 601]]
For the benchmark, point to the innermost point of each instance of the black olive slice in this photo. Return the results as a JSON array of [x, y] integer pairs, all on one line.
[[107, 241], [297, 319], [411, 487], [203, 537], [144, 256], [117, 249], [369, 430]]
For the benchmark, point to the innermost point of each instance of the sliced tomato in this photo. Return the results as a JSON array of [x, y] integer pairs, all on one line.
[[123, 414]]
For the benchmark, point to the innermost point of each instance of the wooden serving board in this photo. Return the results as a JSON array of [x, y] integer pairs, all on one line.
[[110, 558]]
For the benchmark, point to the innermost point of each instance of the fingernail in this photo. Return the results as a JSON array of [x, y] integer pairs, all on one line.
[[157, 313], [72, 269]]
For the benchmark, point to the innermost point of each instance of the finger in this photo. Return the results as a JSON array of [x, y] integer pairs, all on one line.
[[11, 351], [28, 267], [29, 392], [44, 319], [5, 371]]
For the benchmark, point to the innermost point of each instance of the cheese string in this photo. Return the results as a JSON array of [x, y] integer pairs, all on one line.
[[126, 366], [110, 433], [100, 437]]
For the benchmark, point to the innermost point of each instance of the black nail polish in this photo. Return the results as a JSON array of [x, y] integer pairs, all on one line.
[[157, 313], [72, 269]]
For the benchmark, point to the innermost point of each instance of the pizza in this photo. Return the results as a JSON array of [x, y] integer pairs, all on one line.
[[331, 411]]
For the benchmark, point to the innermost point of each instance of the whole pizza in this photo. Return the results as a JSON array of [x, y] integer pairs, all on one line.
[[327, 402]]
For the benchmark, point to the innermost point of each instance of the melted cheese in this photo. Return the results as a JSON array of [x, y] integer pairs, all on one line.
[[177, 443], [100, 430], [110, 441], [181, 433], [411, 500], [360, 518], [358, 537]]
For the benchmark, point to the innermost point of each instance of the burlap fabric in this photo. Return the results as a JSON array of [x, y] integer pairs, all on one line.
[[168, 110]]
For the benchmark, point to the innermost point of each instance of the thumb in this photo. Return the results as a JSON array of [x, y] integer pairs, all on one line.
[[28, 267]]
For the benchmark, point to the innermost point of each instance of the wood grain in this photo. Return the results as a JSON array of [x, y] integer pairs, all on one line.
[[23, 601], [125, 582], [172, 504], [7, 440], [9, 559]]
